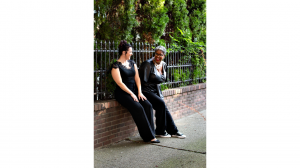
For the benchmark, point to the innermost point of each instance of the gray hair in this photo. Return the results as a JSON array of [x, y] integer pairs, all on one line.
[[161, 48]]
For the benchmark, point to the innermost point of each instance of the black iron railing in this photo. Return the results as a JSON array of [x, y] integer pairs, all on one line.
[[107, 52]]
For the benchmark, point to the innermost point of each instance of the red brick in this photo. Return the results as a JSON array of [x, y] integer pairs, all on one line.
[[101, 121], [103, 139], [132, 125], [107, 124], [97, 136], [96, 127], [106, 115], [115, 122], [127, 114], [115, 131], [99, 131], [117, 117], [98, 145], [107, 142], [119, 134], [116, 139], [113, 109], [112, 136], [124, 128], [96, 107], [105, 134], [109, 119], [125, 119], [107, 105]]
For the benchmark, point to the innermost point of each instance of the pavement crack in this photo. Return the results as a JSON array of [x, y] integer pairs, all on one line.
[[179, 149], [170, 147]]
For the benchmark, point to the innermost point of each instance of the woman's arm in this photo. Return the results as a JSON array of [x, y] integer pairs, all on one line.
[[144, 72], [115, 72], [138, 84]]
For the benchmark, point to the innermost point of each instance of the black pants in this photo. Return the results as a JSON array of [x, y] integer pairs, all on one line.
[[141, 112], [164, 120]]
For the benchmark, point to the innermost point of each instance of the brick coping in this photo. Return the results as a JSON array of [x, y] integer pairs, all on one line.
[[169, 92]]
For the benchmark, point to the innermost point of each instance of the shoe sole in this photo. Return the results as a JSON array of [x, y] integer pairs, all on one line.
[[163, 136], [178, 137]]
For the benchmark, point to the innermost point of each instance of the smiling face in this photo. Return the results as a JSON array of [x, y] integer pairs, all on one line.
[[159, 56], [128, 54]]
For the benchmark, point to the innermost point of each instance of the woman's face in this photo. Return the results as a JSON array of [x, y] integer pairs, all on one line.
[[159, 56], [128, 54]]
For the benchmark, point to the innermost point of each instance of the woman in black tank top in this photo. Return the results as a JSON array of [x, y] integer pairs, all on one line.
[[128, 93]]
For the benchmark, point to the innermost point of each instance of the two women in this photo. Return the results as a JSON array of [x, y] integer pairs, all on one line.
[[125, 74]]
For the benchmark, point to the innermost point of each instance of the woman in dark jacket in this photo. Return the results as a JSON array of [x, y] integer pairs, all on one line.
[[153, 72]]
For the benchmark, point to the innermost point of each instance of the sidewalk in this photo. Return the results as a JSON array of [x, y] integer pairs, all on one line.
[[135, 153]]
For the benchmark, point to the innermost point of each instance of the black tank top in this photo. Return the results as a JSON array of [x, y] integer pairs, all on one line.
[[127, 75]]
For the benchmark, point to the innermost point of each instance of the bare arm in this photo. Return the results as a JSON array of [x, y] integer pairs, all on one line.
[[117, 78], [138, 83]]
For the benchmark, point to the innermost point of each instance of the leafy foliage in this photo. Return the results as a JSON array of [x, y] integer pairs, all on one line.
[[178, 15], [193, 51], [197, 15], [152, 17], [114, 19]]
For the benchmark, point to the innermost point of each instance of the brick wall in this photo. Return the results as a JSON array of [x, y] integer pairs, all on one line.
[[113, 123]]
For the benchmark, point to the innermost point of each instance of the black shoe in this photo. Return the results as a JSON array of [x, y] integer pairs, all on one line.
[[156, 141], [179, 135]]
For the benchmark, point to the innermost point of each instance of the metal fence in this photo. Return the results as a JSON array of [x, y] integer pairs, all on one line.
[[106, 53]]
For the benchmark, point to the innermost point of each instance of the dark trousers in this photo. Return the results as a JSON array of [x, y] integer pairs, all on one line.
[[142, 114], [164, 120]]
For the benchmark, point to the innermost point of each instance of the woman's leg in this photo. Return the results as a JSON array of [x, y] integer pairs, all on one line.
[[149, 112], [164, 120], [138, 114]]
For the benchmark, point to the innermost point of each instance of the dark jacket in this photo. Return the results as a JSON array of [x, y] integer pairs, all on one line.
[[151, 78]]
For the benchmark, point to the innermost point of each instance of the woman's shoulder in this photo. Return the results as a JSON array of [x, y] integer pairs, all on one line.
[[115, 65], [146, 63]]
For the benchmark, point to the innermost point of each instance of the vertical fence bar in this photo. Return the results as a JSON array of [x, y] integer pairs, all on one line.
[[137, 63], [180, 69], [169, 61], [101, 80], [149, 50], [173, 61], [140, 51], [146, 50], [113, 50], [104, 95], [133, 56], [143, 48], [96, 80]]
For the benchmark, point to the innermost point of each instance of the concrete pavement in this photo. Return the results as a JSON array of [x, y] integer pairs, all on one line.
[[134, 153]]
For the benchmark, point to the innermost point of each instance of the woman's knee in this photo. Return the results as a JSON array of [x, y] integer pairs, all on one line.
[[159, 103], [147, 105]]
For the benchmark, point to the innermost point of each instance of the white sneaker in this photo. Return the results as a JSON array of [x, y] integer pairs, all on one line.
[[165, 135], [179, 135]]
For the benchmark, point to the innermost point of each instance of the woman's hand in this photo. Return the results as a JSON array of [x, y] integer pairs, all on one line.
[[134, 97], [141, 96]]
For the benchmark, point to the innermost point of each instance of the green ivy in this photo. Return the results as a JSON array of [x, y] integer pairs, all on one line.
[[191, 50]]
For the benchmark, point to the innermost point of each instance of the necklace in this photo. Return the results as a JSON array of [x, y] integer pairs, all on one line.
[[158, 66]]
